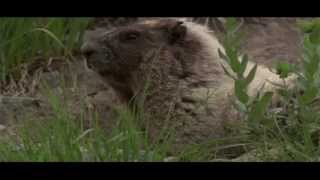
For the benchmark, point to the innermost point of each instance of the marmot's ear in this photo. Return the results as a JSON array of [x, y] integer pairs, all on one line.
[[177, 31]]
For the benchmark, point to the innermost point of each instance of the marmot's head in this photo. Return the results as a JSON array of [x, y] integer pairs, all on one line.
[[122, 49]]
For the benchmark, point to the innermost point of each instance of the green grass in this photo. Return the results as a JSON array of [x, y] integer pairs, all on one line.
[[23, 39], [63, 138]]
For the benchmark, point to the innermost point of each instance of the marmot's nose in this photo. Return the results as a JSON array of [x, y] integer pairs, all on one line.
[[87, 50]]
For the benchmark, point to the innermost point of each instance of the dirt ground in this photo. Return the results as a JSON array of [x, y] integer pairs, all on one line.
[[271, 40]]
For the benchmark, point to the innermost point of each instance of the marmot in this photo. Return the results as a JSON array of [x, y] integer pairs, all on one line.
[[173, 69]]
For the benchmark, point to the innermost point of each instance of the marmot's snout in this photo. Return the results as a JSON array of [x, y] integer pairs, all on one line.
[[87, 50], [99, 55], [91, 43]]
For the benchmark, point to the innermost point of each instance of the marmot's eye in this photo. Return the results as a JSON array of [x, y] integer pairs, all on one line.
[[131, 36]]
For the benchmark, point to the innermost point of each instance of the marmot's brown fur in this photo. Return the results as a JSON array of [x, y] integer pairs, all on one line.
[[178, 63]]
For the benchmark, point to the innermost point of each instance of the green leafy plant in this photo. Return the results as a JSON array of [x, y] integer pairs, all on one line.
[[293, 129], [254, 109]]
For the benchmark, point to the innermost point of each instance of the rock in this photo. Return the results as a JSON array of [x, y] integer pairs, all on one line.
[[18, 109], [271, 154], [247, 157], [171, 159], [2, 127]]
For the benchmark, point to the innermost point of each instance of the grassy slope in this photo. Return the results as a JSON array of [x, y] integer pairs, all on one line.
[[292, 133]]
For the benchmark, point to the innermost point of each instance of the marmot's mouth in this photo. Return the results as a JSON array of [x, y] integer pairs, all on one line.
[[104, 72], [108, 53]]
